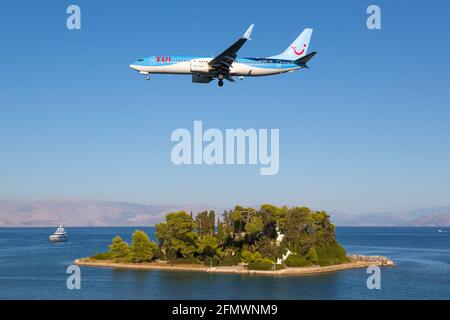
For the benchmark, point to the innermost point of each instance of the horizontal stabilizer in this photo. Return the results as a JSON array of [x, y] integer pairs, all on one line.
[[304, 60]]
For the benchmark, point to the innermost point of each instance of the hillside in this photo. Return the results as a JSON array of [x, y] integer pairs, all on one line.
[[31, 213], [26, 213], [425, 217]]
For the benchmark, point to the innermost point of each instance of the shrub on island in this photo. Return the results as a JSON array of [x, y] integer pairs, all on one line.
[[142, 249], [264, 265], [212, 261], [102, 256], [250, 257], [312, 255], [189, 260], [297, 261], [331, 253], [230, 260], [119, 250]]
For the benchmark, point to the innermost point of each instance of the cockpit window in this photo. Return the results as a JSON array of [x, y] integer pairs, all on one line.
[[141, 59]]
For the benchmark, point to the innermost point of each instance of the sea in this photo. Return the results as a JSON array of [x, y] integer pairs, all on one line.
[[33, 268]]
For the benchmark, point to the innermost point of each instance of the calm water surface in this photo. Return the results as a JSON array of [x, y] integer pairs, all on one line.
[[33, 268]]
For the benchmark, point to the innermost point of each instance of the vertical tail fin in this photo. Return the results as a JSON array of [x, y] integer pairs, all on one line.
[[298, 48]]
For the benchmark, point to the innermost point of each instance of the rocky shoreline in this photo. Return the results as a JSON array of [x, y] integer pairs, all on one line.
[[356, 261], [380, 260]]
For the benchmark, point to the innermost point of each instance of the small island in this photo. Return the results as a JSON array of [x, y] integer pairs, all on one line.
[[268, 240]]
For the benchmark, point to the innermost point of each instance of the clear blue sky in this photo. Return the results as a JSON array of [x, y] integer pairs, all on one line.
[[366, 128]]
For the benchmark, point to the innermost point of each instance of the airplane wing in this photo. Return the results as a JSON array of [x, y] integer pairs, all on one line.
[[223, 61]]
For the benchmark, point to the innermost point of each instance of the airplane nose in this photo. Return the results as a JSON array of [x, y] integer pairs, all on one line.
[[133, 66]]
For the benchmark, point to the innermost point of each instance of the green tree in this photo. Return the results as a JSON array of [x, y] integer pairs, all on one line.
[[295, 227], [212, 221], [267, 248], [119, 250], [206, 223], [249, 256], [207, 246], [296, 260], [254, 227], [142, 248], [271, 216], [312, 255], [162, 234], [228, 224], [237, 219], [324, 228], [177, 235], [220, 231]]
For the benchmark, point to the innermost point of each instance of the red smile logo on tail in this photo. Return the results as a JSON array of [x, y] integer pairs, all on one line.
[[297, 52]]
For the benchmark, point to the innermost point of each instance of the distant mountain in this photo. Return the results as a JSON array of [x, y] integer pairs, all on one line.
[[437, 216], [24, 213], [27, 213]]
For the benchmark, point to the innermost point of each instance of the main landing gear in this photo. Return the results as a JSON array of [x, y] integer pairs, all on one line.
[[220, 83]]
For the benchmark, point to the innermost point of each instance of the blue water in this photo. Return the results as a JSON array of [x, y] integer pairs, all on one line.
[[33, 268]]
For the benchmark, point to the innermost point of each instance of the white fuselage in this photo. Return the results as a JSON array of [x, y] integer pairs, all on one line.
[[247, 67]]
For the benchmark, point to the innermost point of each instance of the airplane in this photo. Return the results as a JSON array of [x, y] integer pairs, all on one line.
[[227, 65]]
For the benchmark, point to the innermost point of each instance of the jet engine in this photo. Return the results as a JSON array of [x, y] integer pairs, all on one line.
[[198, 78]]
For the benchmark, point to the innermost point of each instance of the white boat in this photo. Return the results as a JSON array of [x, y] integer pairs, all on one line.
[[60, 235]]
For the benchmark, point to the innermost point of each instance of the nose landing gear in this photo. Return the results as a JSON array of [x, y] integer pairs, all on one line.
[[220, 83], [147, 78]]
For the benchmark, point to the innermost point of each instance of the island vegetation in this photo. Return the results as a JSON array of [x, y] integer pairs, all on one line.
[[267, 238]]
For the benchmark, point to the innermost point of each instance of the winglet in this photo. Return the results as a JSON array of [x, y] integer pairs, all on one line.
[[248, 33]]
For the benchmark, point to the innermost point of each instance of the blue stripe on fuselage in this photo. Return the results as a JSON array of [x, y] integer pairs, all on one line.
[[267, 63]]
